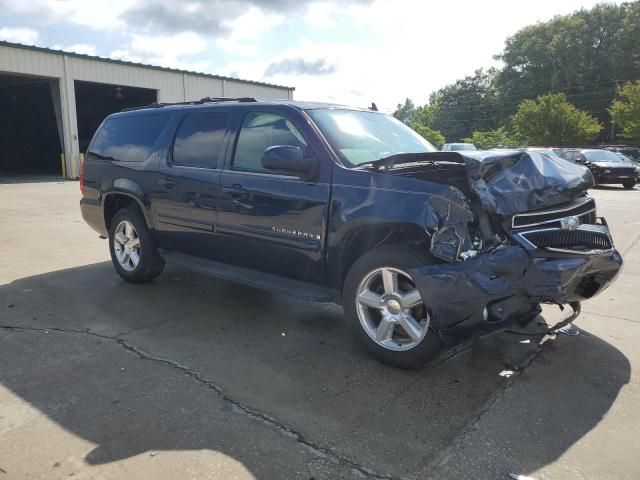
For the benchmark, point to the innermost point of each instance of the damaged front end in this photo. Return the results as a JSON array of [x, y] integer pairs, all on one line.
[[523, 233]]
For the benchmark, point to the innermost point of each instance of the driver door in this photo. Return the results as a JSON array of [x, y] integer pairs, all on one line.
[[273, 222]]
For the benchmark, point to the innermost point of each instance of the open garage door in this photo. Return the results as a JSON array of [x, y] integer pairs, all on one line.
[[30, 139], [94, 101]]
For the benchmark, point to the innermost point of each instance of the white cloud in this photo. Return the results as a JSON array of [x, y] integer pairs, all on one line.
[[246, 30], [170, 46], [98, 15], [83, 48], [238, 47], [321, 15], [165, 50], [126, 55], [27, 36]]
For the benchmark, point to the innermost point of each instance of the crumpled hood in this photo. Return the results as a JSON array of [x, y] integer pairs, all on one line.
[[514, 181]]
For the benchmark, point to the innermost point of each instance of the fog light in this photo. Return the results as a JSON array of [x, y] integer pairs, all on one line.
[[485, 314]]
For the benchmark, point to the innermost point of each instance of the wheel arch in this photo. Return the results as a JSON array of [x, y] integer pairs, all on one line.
[[362, 239], [117, 200]]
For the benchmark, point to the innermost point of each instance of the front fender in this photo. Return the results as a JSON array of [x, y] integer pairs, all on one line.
[[394, 209]]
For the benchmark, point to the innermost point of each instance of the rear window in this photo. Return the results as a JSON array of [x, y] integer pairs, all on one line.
[[127, 139], [199, 139], [463, 147]]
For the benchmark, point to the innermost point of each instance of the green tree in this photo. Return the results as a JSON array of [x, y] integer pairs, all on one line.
[[424, 115], [404, 112], [485, 140], [626, 111], [583, 54], [431, 135], [552, 120], [464, 106]]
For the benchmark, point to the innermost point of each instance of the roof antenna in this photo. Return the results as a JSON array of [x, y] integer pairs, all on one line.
[[373, 107]]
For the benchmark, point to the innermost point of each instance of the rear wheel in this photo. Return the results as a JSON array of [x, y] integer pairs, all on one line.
[[386, 309], [629, 184], [133, 252]]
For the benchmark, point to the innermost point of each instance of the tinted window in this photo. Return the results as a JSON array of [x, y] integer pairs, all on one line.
[[260, 131], [199, 139], [128, 139]]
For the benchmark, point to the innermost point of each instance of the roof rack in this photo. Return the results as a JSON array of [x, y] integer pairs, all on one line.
[[194, 102]]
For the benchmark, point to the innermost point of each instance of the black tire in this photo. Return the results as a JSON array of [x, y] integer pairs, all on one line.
[[151, 263], [397, 257], [629, 184]]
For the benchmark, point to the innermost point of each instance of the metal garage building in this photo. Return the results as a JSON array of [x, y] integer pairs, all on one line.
[[52, 101]]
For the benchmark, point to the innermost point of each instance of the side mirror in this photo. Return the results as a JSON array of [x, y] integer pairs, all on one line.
[[289, 159]]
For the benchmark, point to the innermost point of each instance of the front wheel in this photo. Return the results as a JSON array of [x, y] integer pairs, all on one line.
[[133, 252], [629, 184], [385, 308]]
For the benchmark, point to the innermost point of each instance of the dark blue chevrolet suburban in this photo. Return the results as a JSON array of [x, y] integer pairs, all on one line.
[[329, 203]]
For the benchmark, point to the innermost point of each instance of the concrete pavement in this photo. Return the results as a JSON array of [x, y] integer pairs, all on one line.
[[191, 377]]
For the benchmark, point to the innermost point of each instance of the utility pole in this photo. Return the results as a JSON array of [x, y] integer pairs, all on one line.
[[613, 122]]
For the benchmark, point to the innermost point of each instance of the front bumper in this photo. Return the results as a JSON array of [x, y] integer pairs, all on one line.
[[613, 177], [507, 285]]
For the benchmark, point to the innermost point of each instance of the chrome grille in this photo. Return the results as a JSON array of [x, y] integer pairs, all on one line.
[[578, 240], [584, 209], [620, 171]]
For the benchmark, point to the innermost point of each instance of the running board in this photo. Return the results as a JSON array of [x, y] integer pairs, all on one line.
[[252, 278]]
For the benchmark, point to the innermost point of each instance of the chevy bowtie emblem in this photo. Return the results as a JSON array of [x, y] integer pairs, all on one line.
[[570, 223]]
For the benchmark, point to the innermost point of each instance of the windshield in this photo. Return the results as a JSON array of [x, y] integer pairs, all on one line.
[[600, 156], [360, 137], [624, 157], [463, 147]]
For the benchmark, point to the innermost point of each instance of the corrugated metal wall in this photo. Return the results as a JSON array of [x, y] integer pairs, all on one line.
[[172, 86]]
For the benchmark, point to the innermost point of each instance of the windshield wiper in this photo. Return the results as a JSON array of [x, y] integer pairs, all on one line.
[[386, 162], [399, 158]]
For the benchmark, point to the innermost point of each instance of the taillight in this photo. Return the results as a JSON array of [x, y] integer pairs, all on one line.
[[82, 176]]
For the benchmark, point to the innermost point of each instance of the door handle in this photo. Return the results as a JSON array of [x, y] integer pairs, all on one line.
[[168, 182], [236, 191]]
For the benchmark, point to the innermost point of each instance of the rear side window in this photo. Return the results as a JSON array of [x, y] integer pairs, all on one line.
[[259, 132], [127, 139], [199, 139]]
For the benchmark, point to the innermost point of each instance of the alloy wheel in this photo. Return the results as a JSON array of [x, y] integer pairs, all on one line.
[[390, 309], [126, 246]]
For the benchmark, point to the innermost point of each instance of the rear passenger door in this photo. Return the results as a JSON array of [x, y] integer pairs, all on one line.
[[187, 209], [270, 221]]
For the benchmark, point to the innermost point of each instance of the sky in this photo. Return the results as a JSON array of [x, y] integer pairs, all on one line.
[[351, 52]]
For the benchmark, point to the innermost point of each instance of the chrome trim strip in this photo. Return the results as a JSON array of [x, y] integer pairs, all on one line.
[[521, 237], [581, 252], [548, 221], [551, 212]]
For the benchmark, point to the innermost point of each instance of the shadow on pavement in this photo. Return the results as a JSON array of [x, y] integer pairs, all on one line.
[[292, 361]]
